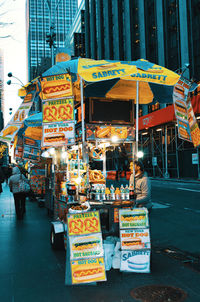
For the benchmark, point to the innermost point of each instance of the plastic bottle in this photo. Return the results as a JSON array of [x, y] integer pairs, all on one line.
[[131, 193], [117, 194], [112, 193], [122, 192], [126, 192], [103, 195], [97, 194], [107, 192]]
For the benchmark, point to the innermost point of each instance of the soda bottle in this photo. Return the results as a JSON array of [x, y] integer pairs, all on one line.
[[97, 194], [126, 192], [112, 193], [131, 193], [107, 192], [122, 192], [117, 194], [103, 195]]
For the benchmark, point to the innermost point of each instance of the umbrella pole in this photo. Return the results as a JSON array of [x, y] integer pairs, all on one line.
[[137, 117], [82, 112]]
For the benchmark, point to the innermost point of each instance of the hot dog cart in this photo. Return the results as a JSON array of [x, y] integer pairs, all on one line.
[[81, 173]]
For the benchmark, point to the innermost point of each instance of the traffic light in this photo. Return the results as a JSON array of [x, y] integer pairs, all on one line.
[[50, 38]]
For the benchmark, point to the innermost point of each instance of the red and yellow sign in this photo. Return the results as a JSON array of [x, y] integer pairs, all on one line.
[[88, 270], [58, 110], [56, 86], [84, 223]]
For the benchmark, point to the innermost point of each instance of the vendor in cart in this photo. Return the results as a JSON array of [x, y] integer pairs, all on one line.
[[142, 185]]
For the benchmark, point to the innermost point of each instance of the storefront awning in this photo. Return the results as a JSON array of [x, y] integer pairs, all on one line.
[[165, 115]]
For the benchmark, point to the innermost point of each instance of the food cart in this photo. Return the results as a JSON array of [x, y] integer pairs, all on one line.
[[81, 173], [81, 194]]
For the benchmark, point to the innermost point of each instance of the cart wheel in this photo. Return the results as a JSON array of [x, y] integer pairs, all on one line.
[[57, 240]]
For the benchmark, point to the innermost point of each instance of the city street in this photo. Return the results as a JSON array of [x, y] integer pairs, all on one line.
[[31, 271]]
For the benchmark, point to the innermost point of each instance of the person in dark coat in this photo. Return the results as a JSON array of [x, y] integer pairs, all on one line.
[[19, 197], [2, 178]]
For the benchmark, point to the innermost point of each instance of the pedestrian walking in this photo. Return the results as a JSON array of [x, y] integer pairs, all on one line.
[[2, 178], [142, 186], [19, 186]]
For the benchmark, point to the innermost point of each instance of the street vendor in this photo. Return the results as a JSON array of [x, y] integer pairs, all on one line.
[[142, 186]]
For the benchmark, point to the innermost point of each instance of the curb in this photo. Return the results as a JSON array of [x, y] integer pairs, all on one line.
[[177, 180]]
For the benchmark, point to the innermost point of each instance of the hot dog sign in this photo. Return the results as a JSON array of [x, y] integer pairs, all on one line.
[[58, 110], [57, 86], [58, 134]]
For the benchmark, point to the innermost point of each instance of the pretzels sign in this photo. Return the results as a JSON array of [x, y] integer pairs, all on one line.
[[56, 113], [78, 226]]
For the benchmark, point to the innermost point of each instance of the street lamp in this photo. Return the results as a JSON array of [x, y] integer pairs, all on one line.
[[10, 75], [52, 35]]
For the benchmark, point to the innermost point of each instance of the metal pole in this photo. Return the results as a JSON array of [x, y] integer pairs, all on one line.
[[198, 163], [166, 167], [82, 112], [152, 151], [177, 164], [137, 116]]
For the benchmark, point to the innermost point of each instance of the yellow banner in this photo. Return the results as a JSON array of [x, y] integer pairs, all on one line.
[[56, 86], [84, 223], [58, 110], [95, 71], [88, 270]]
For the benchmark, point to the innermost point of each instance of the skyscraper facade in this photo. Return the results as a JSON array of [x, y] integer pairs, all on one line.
[[165, 32], [45, 17]]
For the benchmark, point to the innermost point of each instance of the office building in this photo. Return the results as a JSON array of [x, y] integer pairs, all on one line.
[[164, 32], [75, 39], [46, 17]]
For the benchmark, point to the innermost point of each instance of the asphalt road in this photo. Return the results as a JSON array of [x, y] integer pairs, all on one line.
[[175, 219], [31, 271]]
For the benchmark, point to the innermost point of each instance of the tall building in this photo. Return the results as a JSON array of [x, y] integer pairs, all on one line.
[[1, 89], [75, 39], [165, 32], [46, 17]]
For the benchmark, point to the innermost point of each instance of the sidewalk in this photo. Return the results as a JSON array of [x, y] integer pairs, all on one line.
[[31, 271]]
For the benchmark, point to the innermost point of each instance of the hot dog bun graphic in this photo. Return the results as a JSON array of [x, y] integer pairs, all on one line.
[[133, 242], [179, 91], [51, 89], [54, 137], [183, 132], [10, 130], [87, 245], [132, 218], [102, 132], [88, 274]]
